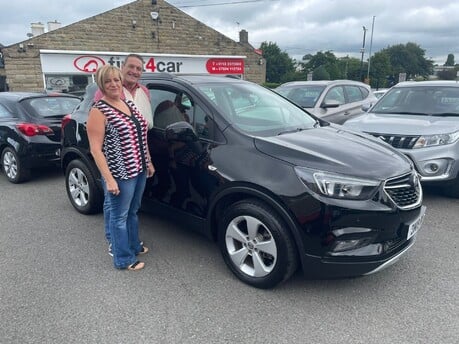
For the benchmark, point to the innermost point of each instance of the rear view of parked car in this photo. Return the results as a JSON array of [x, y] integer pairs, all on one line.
[[335, 101], [421, 120], [30, 131], [277, 189]]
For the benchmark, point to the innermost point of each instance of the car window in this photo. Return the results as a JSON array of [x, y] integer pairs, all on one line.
[[353, 94], [51, 106], [4, 112], [172, 105], [304, 96], [365, 92], [256, 110], [420, 100], [335, 94]]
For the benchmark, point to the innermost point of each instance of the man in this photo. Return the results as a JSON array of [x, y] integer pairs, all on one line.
[[131, 71]]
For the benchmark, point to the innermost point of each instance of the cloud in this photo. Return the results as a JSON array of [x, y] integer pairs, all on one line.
[[298, 27]]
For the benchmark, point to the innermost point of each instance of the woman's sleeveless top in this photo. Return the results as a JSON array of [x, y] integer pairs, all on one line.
[[125, 142]]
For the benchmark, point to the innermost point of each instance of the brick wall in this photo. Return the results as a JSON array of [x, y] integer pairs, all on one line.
[[174, 32]]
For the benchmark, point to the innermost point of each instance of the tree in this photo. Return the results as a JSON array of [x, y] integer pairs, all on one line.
[[322, 64], [380, 70], [349, 68], [278, 63], [320, 73], [449, 60], [409, 59]]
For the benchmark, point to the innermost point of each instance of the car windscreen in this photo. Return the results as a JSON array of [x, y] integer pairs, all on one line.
[[50, 106], [304, 95], [420, 100], [256, 110]]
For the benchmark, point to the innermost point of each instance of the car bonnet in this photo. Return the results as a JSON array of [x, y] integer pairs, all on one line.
[[334, 149], [404, 124]]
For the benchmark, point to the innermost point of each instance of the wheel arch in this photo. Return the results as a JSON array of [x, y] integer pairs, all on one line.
[[72, 154], [240, 192]]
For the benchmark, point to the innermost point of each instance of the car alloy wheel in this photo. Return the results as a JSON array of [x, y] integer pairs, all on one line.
[[12, 167], [256, 244], [251, 246], [82, 189]]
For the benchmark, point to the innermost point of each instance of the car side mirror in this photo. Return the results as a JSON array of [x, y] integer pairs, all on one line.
[[366, 107], [330, 104], [180, 131]]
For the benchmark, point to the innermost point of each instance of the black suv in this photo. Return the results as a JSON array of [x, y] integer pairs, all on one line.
[[274, 186]]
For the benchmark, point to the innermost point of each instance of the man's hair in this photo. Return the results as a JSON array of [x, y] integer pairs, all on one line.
[[137, 56], [103, 72]]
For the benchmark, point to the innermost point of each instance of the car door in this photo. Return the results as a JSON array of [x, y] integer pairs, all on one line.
[[184, 177], [8, 131], [355, 99], [333, 107]]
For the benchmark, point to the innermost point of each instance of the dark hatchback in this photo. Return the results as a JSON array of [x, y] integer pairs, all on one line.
[[274, 186], [30, 131]]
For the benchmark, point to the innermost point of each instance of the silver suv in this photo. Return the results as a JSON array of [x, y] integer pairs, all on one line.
[[332, 100], [421, 119]]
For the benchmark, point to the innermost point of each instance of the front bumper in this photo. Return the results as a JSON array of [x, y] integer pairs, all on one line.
[[435, 164], [354, 243]]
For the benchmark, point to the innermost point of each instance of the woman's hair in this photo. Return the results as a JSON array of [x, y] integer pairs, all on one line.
[[103, 72]]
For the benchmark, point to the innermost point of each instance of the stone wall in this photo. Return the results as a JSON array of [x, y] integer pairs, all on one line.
[[173, 32]]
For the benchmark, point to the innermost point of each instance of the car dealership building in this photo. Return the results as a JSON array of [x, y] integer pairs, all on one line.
[[169, 40]]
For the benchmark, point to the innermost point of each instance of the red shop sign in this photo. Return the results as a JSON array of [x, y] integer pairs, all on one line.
[[225, 66]]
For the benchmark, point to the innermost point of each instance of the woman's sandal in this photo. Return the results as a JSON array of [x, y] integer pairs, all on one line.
[[136, 266], [143, 250]]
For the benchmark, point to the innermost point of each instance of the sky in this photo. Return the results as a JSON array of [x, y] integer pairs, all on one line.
[[298, 27]]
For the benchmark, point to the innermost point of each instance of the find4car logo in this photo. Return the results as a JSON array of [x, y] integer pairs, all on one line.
[[88, 63], [163, 66]]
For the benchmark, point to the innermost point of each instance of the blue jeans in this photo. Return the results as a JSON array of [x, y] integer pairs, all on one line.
[[120, 216], [106, 212]]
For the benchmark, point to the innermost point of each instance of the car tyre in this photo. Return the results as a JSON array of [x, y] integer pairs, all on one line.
[[82, 188], [12, 167], [256, 244]]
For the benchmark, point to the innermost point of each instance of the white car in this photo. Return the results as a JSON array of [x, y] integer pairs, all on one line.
[[421, 120], [380, 92], [332, 100]]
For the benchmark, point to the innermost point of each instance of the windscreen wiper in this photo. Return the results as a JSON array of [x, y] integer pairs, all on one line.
[[446, 114], [291, 131]]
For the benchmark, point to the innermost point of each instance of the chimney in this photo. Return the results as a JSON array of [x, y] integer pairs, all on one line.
[[53, 25], [37, 28], [243, 36]]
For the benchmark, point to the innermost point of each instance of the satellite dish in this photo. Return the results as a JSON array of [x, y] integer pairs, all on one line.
[[154, 15]]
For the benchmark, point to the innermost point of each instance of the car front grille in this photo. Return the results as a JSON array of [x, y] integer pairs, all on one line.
[[398, 141], [404, 191]]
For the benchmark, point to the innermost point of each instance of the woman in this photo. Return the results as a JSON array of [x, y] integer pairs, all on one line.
[[117, 135]]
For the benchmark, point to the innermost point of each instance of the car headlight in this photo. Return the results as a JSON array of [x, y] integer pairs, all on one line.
[[338, 186], [436, 140]]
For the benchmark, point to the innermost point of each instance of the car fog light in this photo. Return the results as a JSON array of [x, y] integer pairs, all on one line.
[[351, 244], [433, 167], [345, 245]]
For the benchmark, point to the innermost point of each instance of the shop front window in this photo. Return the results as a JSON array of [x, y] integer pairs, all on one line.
[[73, 84]]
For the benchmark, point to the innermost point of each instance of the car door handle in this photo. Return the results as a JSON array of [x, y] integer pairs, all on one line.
[[347, 113]]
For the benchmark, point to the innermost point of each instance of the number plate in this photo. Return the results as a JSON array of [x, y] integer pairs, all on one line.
[[416, 225]]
